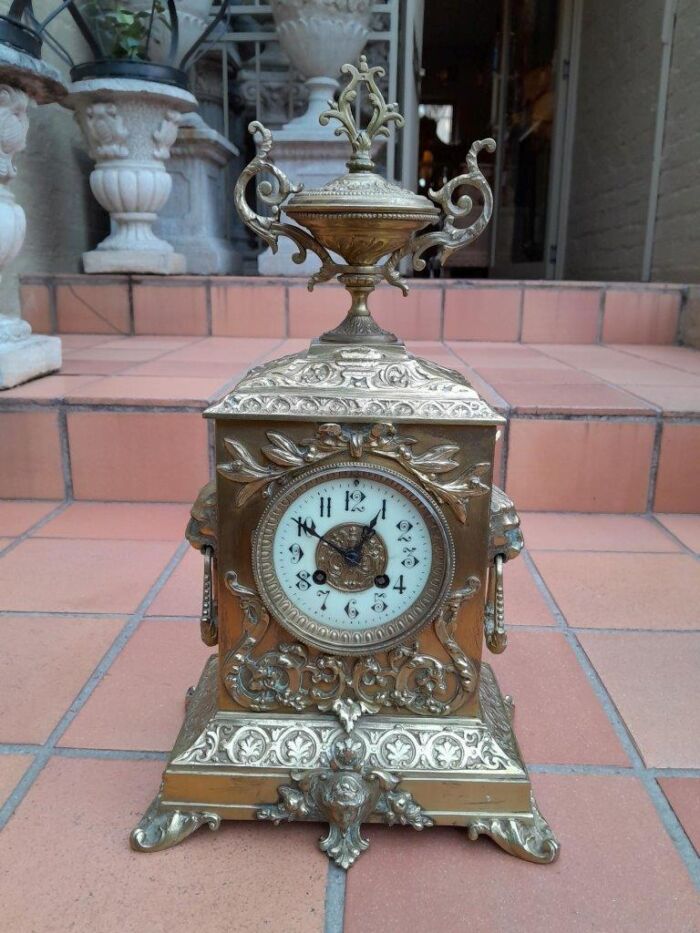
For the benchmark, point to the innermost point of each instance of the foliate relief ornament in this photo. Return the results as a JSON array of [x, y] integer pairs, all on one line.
[[161, 828], [14, 124], [166, 134], [290, 677], [284, 457], [105, 131], [531, 840], [345, 794]]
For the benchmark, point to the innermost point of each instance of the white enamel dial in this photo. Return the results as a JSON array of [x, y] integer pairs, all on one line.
[[352, 557]]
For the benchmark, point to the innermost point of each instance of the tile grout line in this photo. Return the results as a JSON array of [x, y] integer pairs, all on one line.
[[47, 749], [334, 901], [665, 812], [19, 539]]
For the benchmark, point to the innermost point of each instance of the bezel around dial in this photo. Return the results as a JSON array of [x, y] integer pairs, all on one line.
[[381, 637]]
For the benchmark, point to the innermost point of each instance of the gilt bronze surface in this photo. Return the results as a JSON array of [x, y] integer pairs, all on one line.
[[399, 722]]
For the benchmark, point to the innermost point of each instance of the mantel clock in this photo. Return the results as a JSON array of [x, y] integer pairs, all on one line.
[[353, 546]]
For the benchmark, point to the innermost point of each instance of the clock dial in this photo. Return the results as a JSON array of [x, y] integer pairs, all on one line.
[[352, 558]]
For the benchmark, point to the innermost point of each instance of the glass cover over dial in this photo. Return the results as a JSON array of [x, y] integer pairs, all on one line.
[[352, 558]]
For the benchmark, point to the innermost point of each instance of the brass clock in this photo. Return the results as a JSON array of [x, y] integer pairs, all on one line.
[[352, 559], [354, 544]]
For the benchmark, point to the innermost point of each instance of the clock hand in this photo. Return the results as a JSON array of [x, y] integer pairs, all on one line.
[[367, 532], [348, 556]]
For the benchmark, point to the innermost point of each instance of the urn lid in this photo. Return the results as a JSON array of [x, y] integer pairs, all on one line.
[[362, 191]]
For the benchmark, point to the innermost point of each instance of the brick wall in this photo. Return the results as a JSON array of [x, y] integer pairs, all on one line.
[[676, 254], [618, 86]]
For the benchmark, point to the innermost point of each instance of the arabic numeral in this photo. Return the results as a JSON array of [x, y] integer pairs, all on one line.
[[297, 553], [399, 586], [380, 603], [303, 582], [354, 500], [404, 526], [305, 526], [351, 609], [325, 594], [410, 560]]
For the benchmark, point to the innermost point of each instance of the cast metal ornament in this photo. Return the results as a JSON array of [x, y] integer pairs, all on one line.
[[346, 794], [361, 216], [285, 725]]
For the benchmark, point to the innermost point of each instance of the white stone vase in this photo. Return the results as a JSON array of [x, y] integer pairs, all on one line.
[[23, 355], [130, 126], [319, 36], [192, 20]]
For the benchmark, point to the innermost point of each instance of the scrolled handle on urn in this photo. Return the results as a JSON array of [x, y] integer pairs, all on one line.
[[369, 222]]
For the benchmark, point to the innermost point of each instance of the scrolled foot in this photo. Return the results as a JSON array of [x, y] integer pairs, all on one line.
[[160, 828], [533, 841]]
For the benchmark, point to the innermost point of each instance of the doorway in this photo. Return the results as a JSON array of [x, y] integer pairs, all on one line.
[[501, 70]]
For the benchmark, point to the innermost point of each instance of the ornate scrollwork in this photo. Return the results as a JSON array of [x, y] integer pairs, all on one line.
[[291, 677], [201, 533], [161, 828], [383, 114], [345, 794], [285, 456], [449, 238], [274, 193], [531, 840]]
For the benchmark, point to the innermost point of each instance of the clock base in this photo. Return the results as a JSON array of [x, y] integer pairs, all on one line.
[[416, 771]]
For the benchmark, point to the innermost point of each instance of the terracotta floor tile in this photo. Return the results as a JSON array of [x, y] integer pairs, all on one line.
[[652, 679], [684, 527], [654, 591], [503, 356], [76, 872], [182, 594], [129, 521], [4, 542], [17, 515], [93, 367], [593, 397], [177, 308], [560, 315], [233, 350], [557, 464], [124, 352], [31, 464], [677, 486], [571, 531], [140, 703], [96, 308], [44, 663], [618, 872], [138, 456], [149, 390], [80, 341], [256, 310], [684, 796], [525, 604], [482, 313], [673, 400], [552, 375], [558, 718], [46, 575], [161, 342], [640, 316], [12, 767], [199, 369], [680, 357], [49, 387]]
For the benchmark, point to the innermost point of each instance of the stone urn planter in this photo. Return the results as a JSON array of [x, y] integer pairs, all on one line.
[[318, 36], [130, 126]]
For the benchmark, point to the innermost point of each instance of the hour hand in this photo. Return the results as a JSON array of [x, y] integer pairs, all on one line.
[[311, 530]]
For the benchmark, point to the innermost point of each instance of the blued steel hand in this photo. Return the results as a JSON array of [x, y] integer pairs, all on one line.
[[367, 532], [348, 556]]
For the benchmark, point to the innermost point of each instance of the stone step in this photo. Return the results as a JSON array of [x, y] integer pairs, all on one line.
[[435, 309], [590, 428]]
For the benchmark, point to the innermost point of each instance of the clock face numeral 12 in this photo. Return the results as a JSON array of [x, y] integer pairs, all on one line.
[[378, 547]]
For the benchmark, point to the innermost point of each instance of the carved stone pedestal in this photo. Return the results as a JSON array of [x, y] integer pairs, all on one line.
[[130, 126], [229, 765], [313, 159], [194, 219]]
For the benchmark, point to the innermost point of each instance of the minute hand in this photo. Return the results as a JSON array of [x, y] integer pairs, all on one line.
[[310, 530]]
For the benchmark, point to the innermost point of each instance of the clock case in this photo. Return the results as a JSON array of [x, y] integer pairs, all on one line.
[[419, 734], [279, 730]]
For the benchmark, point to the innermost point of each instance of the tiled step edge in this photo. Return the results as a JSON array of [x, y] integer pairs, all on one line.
[[550, 462], [435, 309]]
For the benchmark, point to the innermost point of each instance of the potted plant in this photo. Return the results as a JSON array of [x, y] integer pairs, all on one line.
[[128, 101]]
